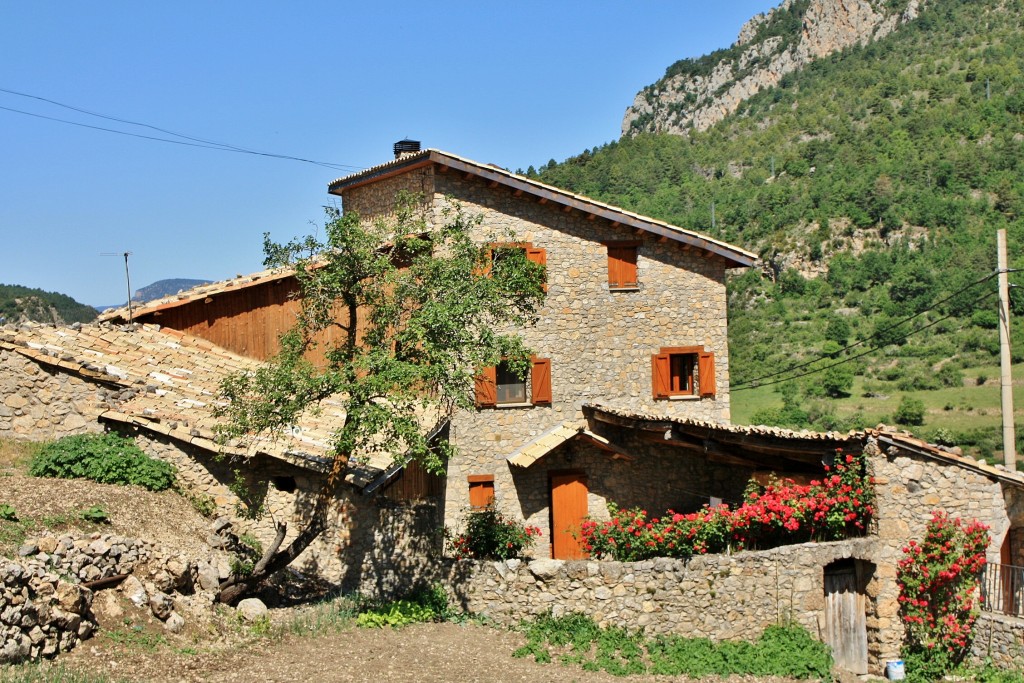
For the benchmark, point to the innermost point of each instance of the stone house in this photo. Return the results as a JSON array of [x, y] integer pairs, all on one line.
[[635, 317]]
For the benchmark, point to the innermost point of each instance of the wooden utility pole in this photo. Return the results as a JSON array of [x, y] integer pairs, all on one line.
[[1005, 378]]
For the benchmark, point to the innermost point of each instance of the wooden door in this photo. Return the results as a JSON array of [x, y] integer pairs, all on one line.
[[568, 510], [845, 627]]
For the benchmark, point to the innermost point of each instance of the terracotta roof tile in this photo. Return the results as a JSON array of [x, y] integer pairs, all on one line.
[[170, 385]]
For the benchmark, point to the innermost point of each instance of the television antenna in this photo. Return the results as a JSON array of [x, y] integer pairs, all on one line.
[[127, 278]]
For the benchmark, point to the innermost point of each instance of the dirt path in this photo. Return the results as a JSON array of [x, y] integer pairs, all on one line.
[[423, 652]]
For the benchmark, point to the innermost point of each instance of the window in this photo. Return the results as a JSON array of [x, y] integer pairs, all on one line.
[[622, 265], [481, 490], [497, 385], [510, 388], [683, 371]]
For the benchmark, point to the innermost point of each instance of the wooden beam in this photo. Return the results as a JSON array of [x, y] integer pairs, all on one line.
[[616, 224], [493, 184], [468, 175], [517, 193], [567, 209], [638, 231], [441, 168], [543, 200], [662, 239], [591, 216]]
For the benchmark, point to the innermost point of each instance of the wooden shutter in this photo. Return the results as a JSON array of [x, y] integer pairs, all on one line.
[[661, 379], [539, 256], [481, 490], [622, 266], [706, 373], [540, 381], [487, 388]]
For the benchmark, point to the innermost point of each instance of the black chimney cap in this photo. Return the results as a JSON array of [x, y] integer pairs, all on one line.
[[406, 146]]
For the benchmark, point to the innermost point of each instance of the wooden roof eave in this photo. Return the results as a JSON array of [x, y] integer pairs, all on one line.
[[591, 208], [734, 257]]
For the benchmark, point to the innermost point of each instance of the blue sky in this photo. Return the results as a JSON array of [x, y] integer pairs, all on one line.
[[513, 84]]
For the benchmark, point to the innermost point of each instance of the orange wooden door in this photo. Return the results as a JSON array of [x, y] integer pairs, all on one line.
[[568, 510]]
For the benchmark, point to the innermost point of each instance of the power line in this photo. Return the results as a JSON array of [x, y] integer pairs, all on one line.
[[759, 382], [186, 140], [852, 358]]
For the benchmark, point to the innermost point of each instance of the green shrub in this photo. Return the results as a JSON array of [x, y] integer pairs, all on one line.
[[105, 458], [489, 535], [910, 411], [7, 513], [429, 604], [95, 514]]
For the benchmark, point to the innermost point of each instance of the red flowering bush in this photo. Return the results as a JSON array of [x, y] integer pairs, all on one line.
[[490, 535], [938, 581], [838, 506]]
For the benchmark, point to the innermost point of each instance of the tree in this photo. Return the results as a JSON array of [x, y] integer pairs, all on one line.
[[419, 309]]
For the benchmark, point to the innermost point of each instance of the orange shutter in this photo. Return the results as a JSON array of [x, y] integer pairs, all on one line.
[[540, 381], [539, 256], [661, 375], [487, 388], [706, 373], [481, 490], [622, 266]]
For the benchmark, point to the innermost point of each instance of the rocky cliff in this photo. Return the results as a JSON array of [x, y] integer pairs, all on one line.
[[698, 93]]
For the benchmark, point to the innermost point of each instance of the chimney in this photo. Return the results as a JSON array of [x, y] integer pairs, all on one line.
[[406, 147]]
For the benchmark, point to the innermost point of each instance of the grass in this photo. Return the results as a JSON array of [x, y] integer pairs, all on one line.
[[957, 410], [42, 673], [332, 615], [135, 638], [577, 640]]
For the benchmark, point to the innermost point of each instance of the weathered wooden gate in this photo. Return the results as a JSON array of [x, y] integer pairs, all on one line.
[[568, 510], [845, 610]]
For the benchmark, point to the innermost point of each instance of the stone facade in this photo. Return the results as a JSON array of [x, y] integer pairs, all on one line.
[[999, 639], [600, 341]]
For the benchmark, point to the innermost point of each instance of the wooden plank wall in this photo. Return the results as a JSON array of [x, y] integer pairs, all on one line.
[[247, 321]]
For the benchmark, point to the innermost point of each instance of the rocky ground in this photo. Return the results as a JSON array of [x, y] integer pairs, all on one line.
[[132, 645]]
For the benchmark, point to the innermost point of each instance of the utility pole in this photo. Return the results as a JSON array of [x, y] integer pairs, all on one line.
[[1005, 378]]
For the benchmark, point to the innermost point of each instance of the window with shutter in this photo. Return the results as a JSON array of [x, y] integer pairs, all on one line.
[[622, 272], [481, 490], [683, 371], [499, 385]]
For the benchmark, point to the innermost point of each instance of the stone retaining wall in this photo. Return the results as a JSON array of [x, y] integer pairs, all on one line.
[[711, 596], [1000, 639]]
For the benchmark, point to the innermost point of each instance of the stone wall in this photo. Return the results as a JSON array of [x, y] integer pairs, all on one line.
[[909, 487], [1000, 639], [41, 403], [40, 614], [710, 596]]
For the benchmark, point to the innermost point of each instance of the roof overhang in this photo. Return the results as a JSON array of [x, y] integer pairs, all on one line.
[[444, 162]]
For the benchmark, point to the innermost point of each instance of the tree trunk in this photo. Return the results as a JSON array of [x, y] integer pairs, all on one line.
[[236, 587]]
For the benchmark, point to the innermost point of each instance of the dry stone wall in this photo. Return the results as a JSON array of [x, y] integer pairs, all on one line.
[[711, 596], [40, 403], [999, 639]]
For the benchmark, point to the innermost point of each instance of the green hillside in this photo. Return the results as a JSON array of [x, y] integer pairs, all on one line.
[[19, 303], [894, 164]]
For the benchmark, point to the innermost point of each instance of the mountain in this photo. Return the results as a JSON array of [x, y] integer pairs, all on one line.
[[698, 93], [19, 303], [871, 182], [162, 288]]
